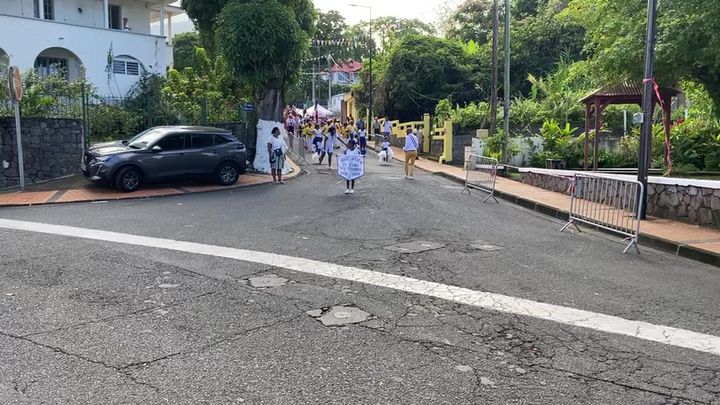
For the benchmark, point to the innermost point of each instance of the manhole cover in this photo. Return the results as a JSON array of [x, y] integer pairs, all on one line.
[[267, 282], [480, 245], [337, 316], [414, 247]]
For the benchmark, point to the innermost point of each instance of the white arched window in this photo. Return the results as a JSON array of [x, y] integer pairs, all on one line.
[[127, 65]]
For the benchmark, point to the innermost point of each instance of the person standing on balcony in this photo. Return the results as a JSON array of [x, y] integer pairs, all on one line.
[[126, 27], [411, 152]]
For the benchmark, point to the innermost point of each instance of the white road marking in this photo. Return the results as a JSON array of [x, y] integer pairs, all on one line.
[[495, 302]]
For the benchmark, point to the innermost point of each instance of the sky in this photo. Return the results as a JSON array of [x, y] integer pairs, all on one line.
[[424, 10]]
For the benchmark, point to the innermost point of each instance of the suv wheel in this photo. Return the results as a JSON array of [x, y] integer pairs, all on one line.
[[128, 179], [227, 173]]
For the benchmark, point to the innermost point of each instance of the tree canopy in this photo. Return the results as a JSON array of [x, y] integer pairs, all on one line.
[[687, 44], [263, 42], [420, 71], [184, 46]]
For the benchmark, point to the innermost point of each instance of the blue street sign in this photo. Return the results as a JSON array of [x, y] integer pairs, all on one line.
[[248, 107]]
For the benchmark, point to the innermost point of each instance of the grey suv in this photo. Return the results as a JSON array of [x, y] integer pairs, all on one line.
[[166, 152]]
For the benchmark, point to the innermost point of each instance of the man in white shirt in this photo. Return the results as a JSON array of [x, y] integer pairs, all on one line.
[[387, 128], [411, 152]]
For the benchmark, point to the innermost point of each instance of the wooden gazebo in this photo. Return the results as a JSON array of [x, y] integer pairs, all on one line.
[[627, 92]]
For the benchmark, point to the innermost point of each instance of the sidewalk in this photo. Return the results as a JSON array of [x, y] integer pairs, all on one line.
[[90, 192], [683, 239]]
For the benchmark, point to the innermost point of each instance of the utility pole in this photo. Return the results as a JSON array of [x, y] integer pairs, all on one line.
[[506, 91], [330, 73], [494, 84], [372, 50], [648, 104], [369, 121], [313, 82]]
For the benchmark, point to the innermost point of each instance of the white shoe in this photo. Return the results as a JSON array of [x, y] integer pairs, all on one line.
[[410, 177], [352, 191], [347, 191]]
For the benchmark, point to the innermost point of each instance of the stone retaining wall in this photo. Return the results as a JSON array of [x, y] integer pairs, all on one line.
[[695, 205], [691, 204], [52, 148]]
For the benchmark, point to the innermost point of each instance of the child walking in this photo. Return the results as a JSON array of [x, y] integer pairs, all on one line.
[[352, 150], [329, 146], [386, 149]]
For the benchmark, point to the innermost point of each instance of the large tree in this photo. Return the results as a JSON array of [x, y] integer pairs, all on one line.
[[418, 71], [265, 41], [470, 21], [203, 14], [184, 46], [687, 44]]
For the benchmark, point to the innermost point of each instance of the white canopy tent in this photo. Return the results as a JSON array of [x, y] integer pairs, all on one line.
[[322, 112]]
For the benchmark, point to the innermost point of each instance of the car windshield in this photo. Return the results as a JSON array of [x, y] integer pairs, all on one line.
[[145, 138]]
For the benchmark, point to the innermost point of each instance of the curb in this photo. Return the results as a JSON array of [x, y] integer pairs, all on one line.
[[679, 249], [299, 171]]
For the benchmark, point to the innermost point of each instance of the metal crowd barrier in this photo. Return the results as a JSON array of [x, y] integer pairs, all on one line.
[[609, 203], [297, 149], [481, 174]]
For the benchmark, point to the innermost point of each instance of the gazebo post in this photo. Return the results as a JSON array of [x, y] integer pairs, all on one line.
[[667, 116], [650, 141], [596, 138], [587, 134]]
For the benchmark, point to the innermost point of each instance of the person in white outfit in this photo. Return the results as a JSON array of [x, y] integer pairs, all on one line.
[[329, 146], [352, 150]]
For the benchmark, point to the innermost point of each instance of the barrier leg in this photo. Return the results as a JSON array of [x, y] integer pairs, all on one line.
[[633, 242], [492, 195], [571, 222]]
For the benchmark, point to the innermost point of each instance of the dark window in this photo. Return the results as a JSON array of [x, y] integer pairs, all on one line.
[[45, 66], [219, 140], [172, 142], [115, 17], [199, 141], [48, 8]]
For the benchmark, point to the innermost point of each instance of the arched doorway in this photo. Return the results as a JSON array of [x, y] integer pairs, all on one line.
[[60, 61]]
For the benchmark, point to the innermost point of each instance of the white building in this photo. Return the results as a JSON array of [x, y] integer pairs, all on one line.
[[89, 38]]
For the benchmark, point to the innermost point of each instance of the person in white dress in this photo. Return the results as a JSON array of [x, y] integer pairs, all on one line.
[[352, 150]]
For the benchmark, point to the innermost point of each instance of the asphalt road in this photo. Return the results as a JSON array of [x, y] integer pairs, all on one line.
[[88, 321]]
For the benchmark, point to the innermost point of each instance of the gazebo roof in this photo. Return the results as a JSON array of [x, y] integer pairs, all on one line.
[[627, 91]]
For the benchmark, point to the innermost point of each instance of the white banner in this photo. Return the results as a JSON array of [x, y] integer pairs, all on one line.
[[351, 167]]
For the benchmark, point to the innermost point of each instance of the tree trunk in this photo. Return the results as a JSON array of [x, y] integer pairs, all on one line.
[[269, 108], [270, 104]]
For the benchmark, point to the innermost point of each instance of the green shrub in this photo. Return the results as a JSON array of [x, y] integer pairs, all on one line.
[[472, 116], [109, 123]]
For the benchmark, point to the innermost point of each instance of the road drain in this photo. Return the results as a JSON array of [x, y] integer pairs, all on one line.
[[339, 315]]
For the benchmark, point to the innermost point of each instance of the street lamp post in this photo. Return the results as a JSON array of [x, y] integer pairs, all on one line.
[[372, 51], [647, 101], [506, 91]]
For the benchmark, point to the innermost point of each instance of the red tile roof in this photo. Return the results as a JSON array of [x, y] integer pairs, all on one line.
[[349, 66]]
